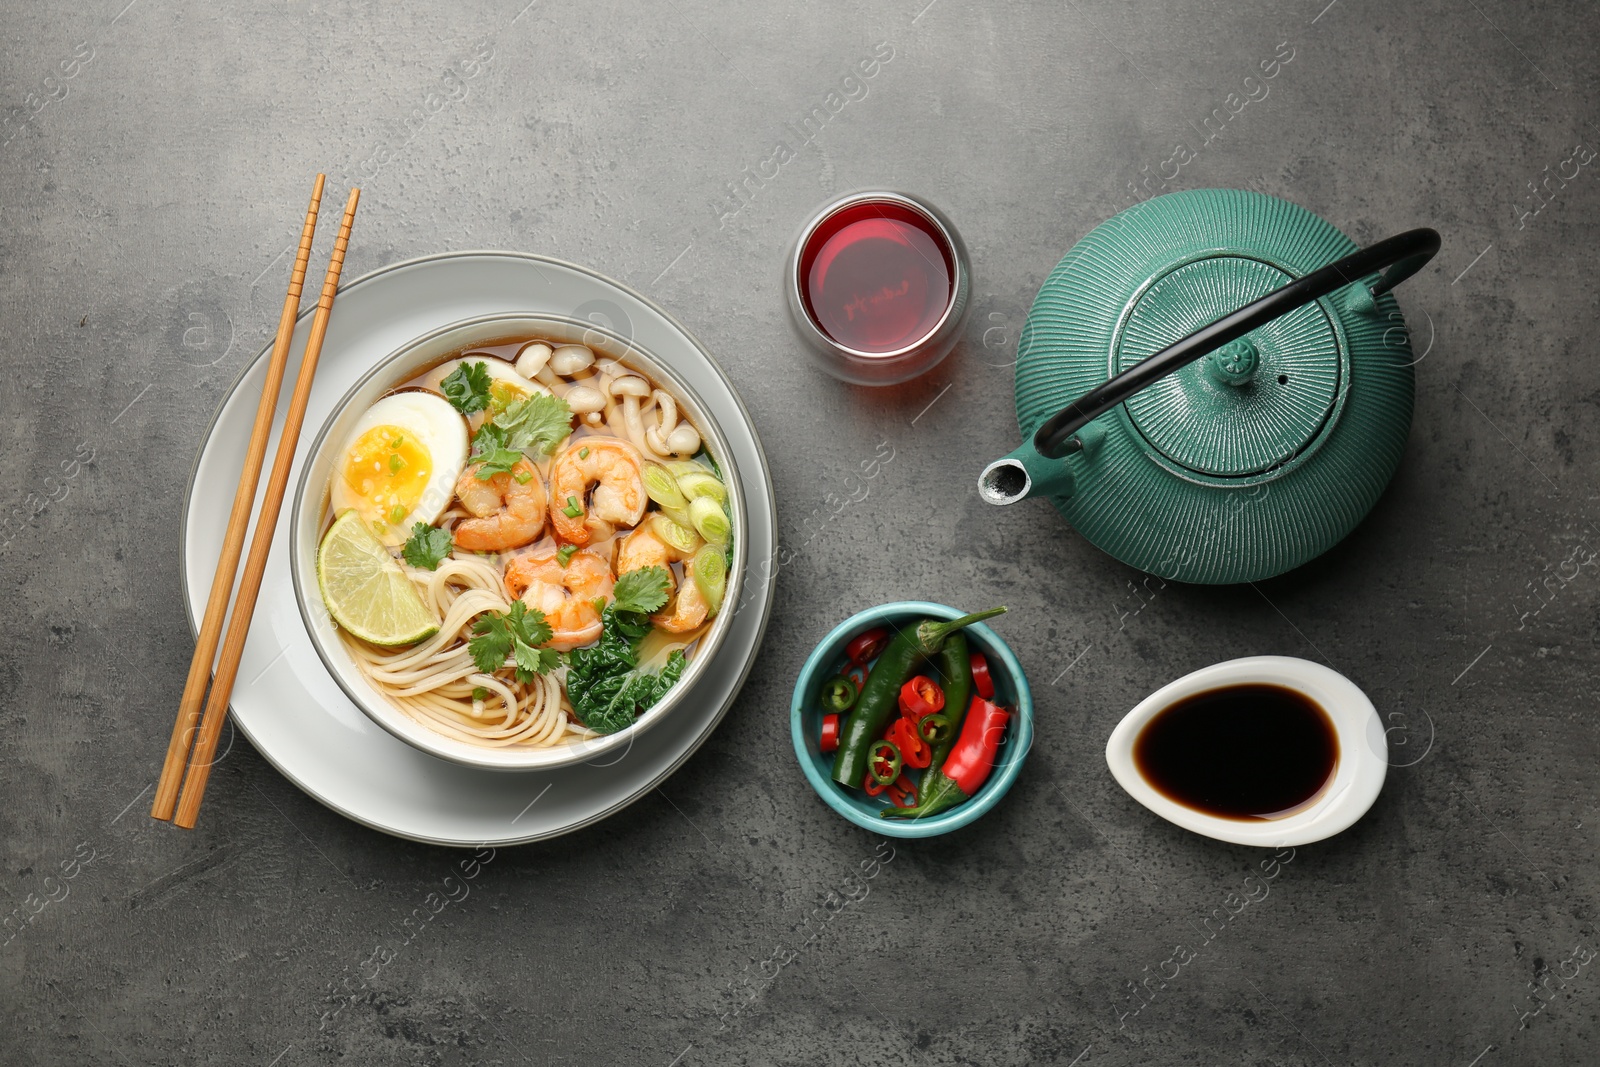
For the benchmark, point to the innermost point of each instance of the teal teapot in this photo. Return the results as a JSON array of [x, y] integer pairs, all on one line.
[[1214, 386]]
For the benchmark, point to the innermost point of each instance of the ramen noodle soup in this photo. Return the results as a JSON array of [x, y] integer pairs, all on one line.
[[523, 545]]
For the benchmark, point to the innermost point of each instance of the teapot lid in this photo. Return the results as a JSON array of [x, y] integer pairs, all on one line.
[[1249, 407]]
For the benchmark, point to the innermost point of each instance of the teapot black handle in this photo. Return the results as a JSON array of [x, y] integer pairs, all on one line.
[[1399, 257]]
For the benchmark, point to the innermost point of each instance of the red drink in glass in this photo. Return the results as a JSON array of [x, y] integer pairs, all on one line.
[[878, 287]]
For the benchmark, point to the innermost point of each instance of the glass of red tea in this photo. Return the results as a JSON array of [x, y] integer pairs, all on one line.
[[878, 286]]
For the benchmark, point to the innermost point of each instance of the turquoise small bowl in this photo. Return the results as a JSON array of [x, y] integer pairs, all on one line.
[[828, 659]]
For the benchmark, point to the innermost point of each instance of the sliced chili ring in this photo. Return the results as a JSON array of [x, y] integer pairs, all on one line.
[[864, 647], [839, 693], [873, 788], [830, 733], [857, 675], [904, 789], [884, 761], [921, 696], [913, 750], [935, 729], [980, 676]]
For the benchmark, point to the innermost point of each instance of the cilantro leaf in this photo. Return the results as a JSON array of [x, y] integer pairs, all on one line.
[[427, 546], [539, 422], [642, 591], [467, 387], [490, 452], [515, 634]]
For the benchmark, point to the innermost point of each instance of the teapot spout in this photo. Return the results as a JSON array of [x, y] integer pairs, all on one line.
[[1022, 474]]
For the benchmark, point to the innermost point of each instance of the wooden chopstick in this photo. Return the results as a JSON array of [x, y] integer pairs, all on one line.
[[255, 566], [205, 650]]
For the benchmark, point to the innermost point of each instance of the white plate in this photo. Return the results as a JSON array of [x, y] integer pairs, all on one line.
[[286, 702], [1357, 778]]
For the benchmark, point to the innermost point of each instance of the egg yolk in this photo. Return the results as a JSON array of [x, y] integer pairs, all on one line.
[[387, 471], [502, 394]]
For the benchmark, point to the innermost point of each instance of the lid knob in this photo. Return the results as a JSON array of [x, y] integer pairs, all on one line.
[[1234, 363]]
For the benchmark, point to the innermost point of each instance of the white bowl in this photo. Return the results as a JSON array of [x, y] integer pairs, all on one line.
[[305, 530], [1357, 778]]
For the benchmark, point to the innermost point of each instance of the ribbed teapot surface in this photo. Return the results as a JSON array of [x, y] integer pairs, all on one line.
[[1250, 461]]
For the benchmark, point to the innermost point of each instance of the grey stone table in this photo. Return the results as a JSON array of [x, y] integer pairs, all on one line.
[[155, 160]]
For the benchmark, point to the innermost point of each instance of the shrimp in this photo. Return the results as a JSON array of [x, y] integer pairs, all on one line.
[[566, 595], [507, 513], [611, 465], [686, 610], [642, 548]]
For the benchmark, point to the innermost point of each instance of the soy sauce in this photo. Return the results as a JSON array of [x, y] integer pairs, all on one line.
[[1239, 752], [876, 277]]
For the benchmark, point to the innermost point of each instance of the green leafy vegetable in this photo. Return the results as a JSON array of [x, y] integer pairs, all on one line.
[[539, 422], [492, 453], [641, 591], [606, 688], [467, 387], [516, 634], [427, 546]]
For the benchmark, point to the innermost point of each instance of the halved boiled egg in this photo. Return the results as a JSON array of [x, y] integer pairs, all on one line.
[[400, 463], [506, 386]]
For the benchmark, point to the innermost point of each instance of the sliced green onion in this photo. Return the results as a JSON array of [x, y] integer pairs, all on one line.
[[679, 515], [710, 520], [523, 476], [675, 535], [710, 570], [702, 484], [662, 487], [583, 453], [564, 554], [573, 510]]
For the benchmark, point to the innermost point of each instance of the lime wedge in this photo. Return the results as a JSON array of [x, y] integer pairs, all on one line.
[[366, 590]]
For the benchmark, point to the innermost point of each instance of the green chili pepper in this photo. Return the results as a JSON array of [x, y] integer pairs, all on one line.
[[880, 695], [935, 729], [838, 694], [884, 762]]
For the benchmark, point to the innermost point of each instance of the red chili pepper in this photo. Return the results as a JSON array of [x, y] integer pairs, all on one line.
[[857, 673], [914, 751], [920, 696], [873, 788], [864, 648], [972, 758], [980, 676], [830, 733], [903, 794]]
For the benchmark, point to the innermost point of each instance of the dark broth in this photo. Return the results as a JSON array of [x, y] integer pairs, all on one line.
[[1239, 752]]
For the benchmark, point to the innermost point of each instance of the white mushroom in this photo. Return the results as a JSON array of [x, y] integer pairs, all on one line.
[[595, 419], [684, 440], [585, 399], [631, 388], [656, 436], [571, 359], [532, 359], [669, 437]]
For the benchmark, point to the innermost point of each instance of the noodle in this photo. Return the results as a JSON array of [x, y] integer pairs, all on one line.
[[433, 682]]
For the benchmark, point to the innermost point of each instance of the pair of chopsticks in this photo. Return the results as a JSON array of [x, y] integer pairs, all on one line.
[[194, 735]]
